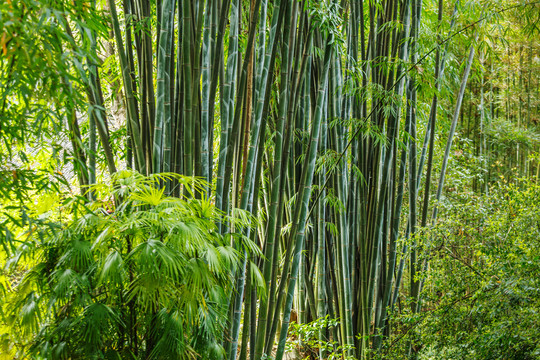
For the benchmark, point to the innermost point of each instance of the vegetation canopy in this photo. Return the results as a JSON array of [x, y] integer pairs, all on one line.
[[262, 179]]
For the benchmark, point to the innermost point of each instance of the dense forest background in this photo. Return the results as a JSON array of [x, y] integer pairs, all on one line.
[[254, 179]]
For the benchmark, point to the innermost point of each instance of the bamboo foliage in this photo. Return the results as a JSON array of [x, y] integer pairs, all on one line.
[[309, 114], [323, 132]]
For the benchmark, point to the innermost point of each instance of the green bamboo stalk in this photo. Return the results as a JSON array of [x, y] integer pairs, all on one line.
[[422, 157], [264, 61], [483, 144], [340, 182], [128, 90], [396, 211], [145, 61], [378, 167], [277, 180], [129, 17], [161, 161], [321, 243], [388, 213], [84, 173], [275, 303], [91, 139], [401, 267], [95, 98], [451, 133], [217, 65], [227, 106], [258, 236], [197, 16], [299, 225], [307, 301], [413, 189], [247, 196], [206, 117], [79, 162], [432, 127], [281, 164], [130, 60], [260, 53], [246, 324], [188, 84], [241, 90]]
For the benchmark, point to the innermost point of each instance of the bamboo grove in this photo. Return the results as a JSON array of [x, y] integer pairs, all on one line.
[[318, 118]]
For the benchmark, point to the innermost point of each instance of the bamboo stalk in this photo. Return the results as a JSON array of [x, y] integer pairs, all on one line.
[[305, 192], [128, 90]]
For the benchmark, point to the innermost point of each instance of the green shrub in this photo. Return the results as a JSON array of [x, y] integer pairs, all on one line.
[[149, 277]]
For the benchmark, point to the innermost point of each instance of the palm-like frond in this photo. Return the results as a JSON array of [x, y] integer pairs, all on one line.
[[148, 278], [112, 269], [148, 195]]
